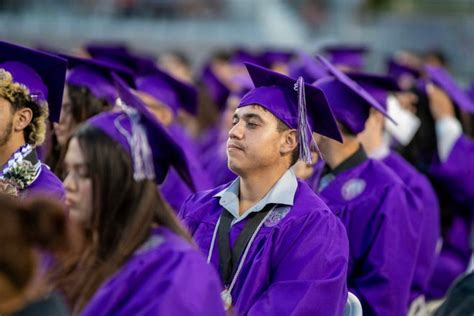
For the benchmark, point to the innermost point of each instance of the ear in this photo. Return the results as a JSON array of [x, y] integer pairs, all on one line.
[[22, 118], [289, 141]]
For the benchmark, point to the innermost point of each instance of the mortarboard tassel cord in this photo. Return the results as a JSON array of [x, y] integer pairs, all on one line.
[[305, 135], [141, 153]]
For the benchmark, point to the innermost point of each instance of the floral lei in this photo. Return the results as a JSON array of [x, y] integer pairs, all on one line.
[[20, 171]]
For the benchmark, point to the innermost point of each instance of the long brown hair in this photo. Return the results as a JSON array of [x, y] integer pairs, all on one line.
[[124, 210], [82, 105]]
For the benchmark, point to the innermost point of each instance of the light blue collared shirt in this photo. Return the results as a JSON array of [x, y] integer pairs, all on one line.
[[283, 192]]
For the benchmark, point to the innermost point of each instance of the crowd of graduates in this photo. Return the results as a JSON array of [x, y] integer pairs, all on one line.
[[265, 182]]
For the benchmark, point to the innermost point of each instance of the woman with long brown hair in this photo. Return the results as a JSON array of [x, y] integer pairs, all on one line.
[[137, 258]]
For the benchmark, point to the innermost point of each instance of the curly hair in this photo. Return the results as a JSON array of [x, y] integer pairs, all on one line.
[[19, 97]]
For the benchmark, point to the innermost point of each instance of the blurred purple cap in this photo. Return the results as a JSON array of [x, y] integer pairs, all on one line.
[[441, 77], [216, 89], [350, 102], [96, 75], [397, 70], [165, 88], [345, 55], [42, 73], [378, 86], [151, 148]]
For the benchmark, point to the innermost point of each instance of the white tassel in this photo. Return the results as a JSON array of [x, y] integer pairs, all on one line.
[[305, 135], [142, 155]]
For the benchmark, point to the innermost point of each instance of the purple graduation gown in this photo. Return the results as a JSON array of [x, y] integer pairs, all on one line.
[[297, 263], [430, 226], [453, 260], [175, 190], [375, 206], [454, 177], [47, 185], [166, 276], [457, 173]]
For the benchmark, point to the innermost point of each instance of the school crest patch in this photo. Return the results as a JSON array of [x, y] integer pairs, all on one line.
[[277, 215], [353, 188]]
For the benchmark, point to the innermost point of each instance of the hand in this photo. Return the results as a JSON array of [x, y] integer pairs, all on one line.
[[441, 105]]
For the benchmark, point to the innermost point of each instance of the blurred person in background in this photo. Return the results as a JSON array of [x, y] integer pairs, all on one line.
[[381, 214], [29, 230]]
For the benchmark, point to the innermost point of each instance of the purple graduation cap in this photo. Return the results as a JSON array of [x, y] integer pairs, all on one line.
[[96, 75], [350, 102], [306, 66], [42, 73], [441, 77], [152, 149], [350, 56], [397, 70], [167, 89], [286, 98], [378, 86], [218, 91], [120, 56]]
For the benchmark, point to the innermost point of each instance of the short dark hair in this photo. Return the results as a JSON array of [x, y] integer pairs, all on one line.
[[20, 98], [295, 155]]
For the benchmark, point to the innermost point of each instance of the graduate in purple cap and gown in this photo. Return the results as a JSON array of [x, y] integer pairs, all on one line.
[[453, 166], [376, 141], [31, 89], [165, 97], [451, 172], [376, 207], [137, 259], [89, 91], [278, 247]]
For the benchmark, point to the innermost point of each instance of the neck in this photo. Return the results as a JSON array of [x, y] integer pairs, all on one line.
[[374, 142], [335, 153], [255, 186], [7, 150]]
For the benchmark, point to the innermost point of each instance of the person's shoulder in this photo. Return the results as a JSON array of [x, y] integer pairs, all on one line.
[[308, 204], [379, 174], [203, 197], [46, 182]]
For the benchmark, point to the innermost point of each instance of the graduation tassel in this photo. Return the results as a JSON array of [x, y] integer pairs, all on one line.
[[305, 135], [141, 152]]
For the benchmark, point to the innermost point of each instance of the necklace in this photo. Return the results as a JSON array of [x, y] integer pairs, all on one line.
[[22, 169]]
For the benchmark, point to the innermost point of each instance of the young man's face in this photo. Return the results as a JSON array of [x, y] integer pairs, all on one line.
[[6, 121], [254, 142]]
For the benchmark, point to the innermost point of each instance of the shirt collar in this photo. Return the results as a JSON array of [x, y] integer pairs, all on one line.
[[283, 192], [352, 161]]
